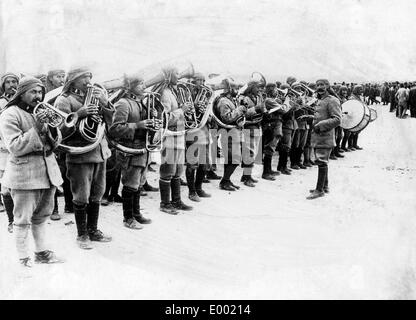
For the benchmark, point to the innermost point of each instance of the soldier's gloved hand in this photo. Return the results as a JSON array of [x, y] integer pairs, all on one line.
[[317, 129]]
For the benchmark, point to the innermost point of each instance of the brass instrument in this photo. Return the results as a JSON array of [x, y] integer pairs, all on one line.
[[154, 108], [56, 117], [88, 126], [202, 99], [91, 128], [239, 122], [261, 97], [160, 122], [185, 99]]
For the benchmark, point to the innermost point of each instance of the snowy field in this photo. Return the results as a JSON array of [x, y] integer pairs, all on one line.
[[269, 242]]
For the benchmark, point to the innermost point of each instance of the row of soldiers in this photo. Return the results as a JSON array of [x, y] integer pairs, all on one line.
[[401, 96], [252, 124]]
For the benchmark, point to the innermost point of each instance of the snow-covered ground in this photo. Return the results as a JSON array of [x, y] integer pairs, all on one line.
[[269, 242]]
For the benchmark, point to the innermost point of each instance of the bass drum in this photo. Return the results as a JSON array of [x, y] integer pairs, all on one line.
[[355, 115], [373, 114]]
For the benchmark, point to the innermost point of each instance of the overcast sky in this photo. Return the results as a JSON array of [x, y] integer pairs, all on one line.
[[342, 40]]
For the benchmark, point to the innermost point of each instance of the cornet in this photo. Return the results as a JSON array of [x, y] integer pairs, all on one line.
[[56, 117]]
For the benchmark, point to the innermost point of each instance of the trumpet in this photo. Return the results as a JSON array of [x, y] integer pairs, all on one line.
[[55, 117]]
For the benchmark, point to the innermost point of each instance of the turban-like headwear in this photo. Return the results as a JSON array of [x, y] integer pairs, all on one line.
[[27, 83], [8, 75], [73, 75], [325, 81], [290, 80]]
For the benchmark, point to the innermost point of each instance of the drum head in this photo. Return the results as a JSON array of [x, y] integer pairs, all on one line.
[[353, 112], [373, 114]]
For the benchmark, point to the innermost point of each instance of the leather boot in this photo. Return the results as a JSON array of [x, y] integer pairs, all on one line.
[[318, 192], [55, 213], [284, 169], [83, 239], [326, 187], [293, 159], [337, 152], [93, 210], [225, 183], [165, 204], [9, 206], [211, 175], [306, 157], [148, 187], [136, 209], [128, 194], [177, 203], [190, 179], [355, 143], [199, 178], [267, 168], [299, 153]]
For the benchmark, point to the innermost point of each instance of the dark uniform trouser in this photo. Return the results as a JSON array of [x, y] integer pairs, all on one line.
[[284, 147], [171, 168], [300, 137], [250, 149], [61, 159], [197, 161], [272, 134], [113, 175], [231, 146], [87, 181], [322, 159]]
